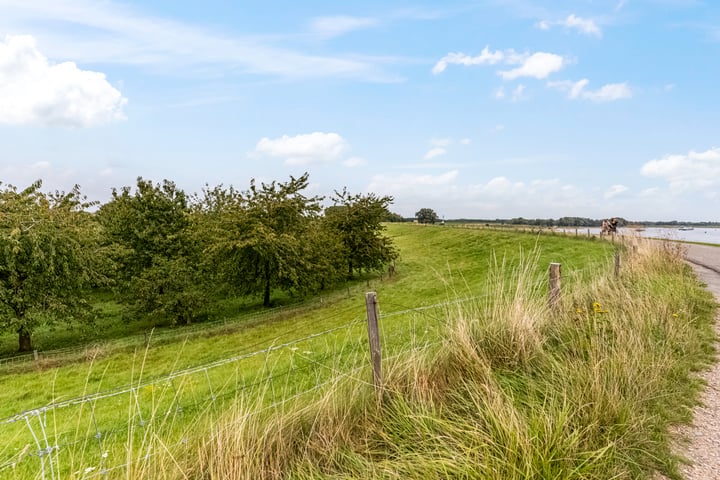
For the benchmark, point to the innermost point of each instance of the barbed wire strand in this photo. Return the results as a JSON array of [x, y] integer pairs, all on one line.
[[177, 374]]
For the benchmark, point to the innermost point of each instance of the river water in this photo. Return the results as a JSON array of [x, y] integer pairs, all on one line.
[[704, 235]]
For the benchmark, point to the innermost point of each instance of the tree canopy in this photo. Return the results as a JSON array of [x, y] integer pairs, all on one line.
[[158, 263], [426, 215], [356, 219], [261, 238], [50, 255], [169, 256]]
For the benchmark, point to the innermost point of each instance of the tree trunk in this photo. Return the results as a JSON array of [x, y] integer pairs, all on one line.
[[25, 345], [266, 293]]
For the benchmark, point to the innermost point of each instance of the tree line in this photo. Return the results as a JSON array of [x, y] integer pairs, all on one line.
[[169, 255]]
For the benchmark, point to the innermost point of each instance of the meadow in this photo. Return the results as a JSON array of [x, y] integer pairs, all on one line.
[[481, 378]]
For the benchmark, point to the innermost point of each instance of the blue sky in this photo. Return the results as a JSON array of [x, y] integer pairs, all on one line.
[[477, 109]]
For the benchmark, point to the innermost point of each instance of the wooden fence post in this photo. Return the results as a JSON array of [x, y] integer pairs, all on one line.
[[555, 277], [617, 263], [374, 338], [36, 356]]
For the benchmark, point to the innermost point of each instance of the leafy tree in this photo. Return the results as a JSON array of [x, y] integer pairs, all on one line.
[[264, 238], [158, 272], [394, 217], [426, 215], [357, 220], [49, 256]]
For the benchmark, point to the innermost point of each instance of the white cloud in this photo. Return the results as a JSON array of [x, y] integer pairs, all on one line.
[[497, 128], [538, 65], [609, 92], [405, 182], [435, 152], [334, 26], [486, 57], [307, 149], [500, 92], [582, 25], [34, 91], [606, 93], [615, 190], [689, 172], [499, 196], [109, 32], [439, 147], [465, 141], [353, 162], [573, 22]]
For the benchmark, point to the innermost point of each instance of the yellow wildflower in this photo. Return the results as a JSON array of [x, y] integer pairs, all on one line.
[[597, 308]]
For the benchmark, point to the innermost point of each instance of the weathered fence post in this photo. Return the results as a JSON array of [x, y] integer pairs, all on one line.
[[555, 276], [374, 338], [617, 263], [36, 356]]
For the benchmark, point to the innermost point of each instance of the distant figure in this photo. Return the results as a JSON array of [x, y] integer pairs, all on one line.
[[609, 226]]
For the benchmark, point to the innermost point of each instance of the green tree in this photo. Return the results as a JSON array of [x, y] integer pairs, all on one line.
[[357, 220], [158, 263], [426, 215], [263, 238], [49, 256], [394, 217]]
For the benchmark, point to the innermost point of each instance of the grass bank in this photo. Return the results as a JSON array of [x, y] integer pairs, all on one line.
[[512, 391], [493, 386]]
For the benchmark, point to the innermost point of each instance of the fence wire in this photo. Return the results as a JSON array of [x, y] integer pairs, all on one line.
[[100, 425], [50, 441]]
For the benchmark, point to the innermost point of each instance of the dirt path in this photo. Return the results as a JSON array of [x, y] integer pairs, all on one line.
[[703, 449]]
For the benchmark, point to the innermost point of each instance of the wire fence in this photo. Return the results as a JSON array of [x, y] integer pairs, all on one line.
[[93, 430], [154, 337], [90, 435]]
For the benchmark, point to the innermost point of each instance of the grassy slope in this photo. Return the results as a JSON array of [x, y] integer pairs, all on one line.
[[514, 392], [437, 264]]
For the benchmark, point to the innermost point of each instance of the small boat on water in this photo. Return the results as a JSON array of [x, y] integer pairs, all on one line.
[[685, 229]]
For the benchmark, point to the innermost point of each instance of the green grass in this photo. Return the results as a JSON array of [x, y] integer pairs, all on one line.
[[523, 381]]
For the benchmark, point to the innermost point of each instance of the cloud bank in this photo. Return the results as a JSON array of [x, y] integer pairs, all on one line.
[[306, 149], [581, 25], [607, 93], [536, 65], [693, 171], [33, 91]]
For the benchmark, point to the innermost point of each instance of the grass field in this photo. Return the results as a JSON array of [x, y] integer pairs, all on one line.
[[587, 392]]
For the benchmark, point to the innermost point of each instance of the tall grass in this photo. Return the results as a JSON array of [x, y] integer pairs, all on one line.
[[510, 389], [514, 390]]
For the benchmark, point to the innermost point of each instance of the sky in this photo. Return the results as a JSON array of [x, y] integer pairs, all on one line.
[[476, 109]]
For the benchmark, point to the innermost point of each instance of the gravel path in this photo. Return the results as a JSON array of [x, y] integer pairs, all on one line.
[[703, 449]]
